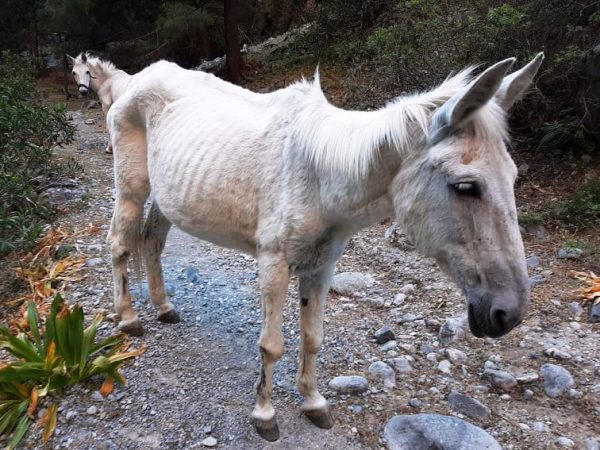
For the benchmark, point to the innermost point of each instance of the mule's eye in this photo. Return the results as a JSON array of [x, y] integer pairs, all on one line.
[[87, 72], [469, 189], [73, 72]]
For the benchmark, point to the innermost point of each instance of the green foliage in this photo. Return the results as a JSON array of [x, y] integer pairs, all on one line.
[[49, 357], [561, 137], [505, 15], [530, 218], [581, 210], [28, 131]]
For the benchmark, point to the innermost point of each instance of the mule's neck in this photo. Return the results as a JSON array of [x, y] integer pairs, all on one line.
[[103, 78]]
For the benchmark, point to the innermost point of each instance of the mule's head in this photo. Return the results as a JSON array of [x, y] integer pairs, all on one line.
[[81, 73], [456, 201]]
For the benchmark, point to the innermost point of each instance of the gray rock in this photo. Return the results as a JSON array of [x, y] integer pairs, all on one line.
[[541, 427], [407, 318], [500, 379], [527, 394], [384, 334], [433, 431], [455, 356], [527, 378], [565, 442], [445, 367], [92, 410], [349, 384], [468, 406], [575, 308], [490, 365], [592, 444], [209, 442], [523, 169], [557, 353], [93, 262], [557, 379], [90, 121], [347, 283], [533, 262], [407, 289], [570, 253], [415, 403], [385, 372], [453, 329], [97, 397], [399, 299], [401, 364], [357, 409], [192, 274], [426, 348], [595, 313], [389, 345], [536, 279]]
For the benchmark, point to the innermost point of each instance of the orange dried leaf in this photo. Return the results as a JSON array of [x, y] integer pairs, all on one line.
[[49, 422], [33, 402], [108, 386]]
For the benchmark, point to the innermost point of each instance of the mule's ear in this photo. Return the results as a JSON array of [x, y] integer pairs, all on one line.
[[514, 86], [457, 111], [71, 59]]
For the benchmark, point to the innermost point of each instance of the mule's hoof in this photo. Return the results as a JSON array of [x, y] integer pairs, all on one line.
[[267, 429], [320, 417], [133, 328], [169, 317]]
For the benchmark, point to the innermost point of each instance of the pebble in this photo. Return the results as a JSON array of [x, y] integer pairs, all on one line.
[[455, 356], [407, 289], [574, 394], [595, 313], [407, 318], [347, 283], [399, 299], [527, 394], [89, 122], [575, 308], [565, 442], [384, 334], [349, 384], [453, 329], [390, 345], [92, 410], [97, 397], [527, 378], [541, 427], [444, 366], [570, 253], [93, 262], [557, 353], [557, 379], [592, 444], [468, 406], [433, 357], [415, 403], [533, 262], [523, 169], [382, 370], [500, 379], [420, 431], [505, 397], [426, 348], [401, 364], [209, 442], [490, 365], [536, 279]]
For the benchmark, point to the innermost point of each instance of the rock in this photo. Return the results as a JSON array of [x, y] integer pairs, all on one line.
[[541, 427], [433, 357], [434, 431], [349, 384], [92, 410], [490, 365], [91, 104], [527, 378], [527, 394], [575, 308], [97, 397], [347, 283], [64, 194], [565, 442], [209, 442], [586, 158], [557, 379], [382, 370], [523, 169], [401, 364], [537, 231], [445, 367], [570, 253], [93, 262], [536, 279], [574, 394], [207, 429], [453, 329], [468, 406], [407, 289], [90, 121], [407, 318], [390, 345], [357, 409], [384, 334], [408, 348], [533, 262], [455, 356], [592, 444], [505, 397], [426, 348], [399, 299], [192, 274], [595, 313], [500, 379], [557, 354], [415, 403]]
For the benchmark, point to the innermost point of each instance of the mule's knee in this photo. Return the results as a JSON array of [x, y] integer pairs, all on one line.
[[271, 350], [312, 343]]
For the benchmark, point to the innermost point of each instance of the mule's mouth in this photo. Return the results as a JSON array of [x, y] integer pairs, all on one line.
[[473, 325], [481, 323]]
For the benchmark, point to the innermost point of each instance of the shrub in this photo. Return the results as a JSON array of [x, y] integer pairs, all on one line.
[[28, 131], [581, 210]]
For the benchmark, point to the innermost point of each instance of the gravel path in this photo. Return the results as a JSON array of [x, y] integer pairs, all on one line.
[[196, 379]]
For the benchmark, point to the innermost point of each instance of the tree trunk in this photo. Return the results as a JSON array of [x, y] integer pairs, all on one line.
[[232, 41]]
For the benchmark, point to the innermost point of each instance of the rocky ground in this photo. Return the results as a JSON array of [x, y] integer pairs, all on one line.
[[537, 388]]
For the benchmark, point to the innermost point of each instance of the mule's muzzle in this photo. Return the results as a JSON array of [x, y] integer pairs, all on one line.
[[493, 320], [83, 90]]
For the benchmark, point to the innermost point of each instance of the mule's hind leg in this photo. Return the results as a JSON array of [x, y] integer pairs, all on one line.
[[313, 292], [154, 237], [273, 278], [132, 189]]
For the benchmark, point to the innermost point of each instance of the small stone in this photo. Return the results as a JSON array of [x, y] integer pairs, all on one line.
[[527, 394], [574, 394], [575, 308], [390, 345], [383, 335], [357, 409], [192, 274], [541, 427], [408, 348], [354, 430], [71, 414], [490, 365], [426, 348], [557, 353], [500, 379], [382, 370], [407, 318], [89, 122], [399, 299], [349, 384], [505, 397], [433, 324], [207, 429], [415, 403], [586, 158], [575, 326], [527, 378], [595, 313], [523, 169], [453, 329], [97, 397], [209, 442], [347, 283], [444, 366], [592, 444], [533, 262], [433, 357], [407, 289], [455, 356], [92, 410], [570, 253], [557, 379], [535, 280], [401, 364], [524, 427], [93, 262], [468, 406], [565, 442]]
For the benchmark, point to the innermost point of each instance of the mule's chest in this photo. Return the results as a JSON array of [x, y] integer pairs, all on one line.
[[310, 255]]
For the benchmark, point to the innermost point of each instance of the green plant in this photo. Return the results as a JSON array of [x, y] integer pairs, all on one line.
[[581, 210], [530, 218], [560, 137], [51, 356]]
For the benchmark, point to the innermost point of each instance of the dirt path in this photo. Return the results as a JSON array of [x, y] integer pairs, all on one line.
[[197, 377]]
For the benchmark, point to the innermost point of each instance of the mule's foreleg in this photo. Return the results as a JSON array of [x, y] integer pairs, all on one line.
[[154, 237], [274, 279], [313, 292]]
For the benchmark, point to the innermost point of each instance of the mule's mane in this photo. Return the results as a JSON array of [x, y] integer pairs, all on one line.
[[349, 141], [96, 62]]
